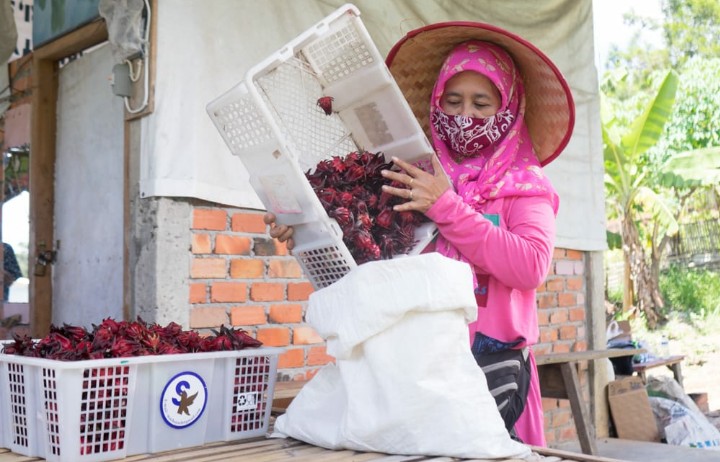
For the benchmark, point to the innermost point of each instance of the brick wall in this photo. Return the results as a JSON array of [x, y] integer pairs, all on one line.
[[561, 315], [240, 276]]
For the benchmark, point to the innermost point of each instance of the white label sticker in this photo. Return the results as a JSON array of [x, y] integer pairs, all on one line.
[[183, 400]]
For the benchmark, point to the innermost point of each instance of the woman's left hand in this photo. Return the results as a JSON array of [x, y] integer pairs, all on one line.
[[421, 190]]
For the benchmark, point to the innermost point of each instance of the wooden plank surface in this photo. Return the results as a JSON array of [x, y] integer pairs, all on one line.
[[643, 451], [279, 450], [576, 356]]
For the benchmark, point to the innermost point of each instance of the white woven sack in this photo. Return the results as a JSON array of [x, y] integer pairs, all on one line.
[[405, 381]]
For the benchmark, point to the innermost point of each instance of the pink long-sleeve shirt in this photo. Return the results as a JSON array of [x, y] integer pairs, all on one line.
[[513, 259]]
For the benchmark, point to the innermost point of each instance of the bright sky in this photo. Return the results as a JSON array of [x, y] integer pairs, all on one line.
[[610, 29]]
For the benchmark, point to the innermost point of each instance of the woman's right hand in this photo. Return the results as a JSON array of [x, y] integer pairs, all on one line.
[[282, 233]]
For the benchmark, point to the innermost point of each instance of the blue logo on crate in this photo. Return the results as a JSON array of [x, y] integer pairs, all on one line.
[[183, 400]]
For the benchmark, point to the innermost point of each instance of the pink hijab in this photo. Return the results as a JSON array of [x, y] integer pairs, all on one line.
[[512, 168]]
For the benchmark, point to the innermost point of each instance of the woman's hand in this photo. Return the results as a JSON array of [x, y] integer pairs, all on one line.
[[282, 233], [422, 189]]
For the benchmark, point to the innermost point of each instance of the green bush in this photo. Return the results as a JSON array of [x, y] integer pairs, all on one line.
[[692, 291]]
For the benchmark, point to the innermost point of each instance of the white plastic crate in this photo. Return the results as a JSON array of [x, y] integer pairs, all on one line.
[[106, 409], [271, 120]]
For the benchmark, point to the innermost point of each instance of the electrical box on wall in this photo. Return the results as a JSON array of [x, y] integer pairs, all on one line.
[[121, 83]]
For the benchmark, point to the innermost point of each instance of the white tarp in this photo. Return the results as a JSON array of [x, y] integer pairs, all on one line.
[[205, 48]]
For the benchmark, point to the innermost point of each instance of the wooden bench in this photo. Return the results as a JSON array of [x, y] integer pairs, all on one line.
[[674, 363], [559, 380]]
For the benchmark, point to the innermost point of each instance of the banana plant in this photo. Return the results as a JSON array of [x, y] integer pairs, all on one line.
[[628, 179], [637, 191]]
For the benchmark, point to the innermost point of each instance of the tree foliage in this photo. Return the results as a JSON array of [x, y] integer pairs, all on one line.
[[661, 135]]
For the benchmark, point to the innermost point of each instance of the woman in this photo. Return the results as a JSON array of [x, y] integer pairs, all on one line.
[[498, 110]]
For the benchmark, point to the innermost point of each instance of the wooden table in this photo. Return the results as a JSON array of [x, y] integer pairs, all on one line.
[[559, 380], [280, 450], [674, 363]]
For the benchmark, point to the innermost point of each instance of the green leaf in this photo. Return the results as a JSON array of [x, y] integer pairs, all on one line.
[[699, 167], [614, 240], [661, 209], [648, 127]]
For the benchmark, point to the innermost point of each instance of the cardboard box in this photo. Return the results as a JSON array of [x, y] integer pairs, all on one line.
[[631, 411]]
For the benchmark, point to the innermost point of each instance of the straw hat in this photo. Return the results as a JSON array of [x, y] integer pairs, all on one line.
[[416, 59]]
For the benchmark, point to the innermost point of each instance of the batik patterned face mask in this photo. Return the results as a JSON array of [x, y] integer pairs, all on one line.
[[469, 136]]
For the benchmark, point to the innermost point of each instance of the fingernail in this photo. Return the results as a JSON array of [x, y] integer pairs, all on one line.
[[383, 172]]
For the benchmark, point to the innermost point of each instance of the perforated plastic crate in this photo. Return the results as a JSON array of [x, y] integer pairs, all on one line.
[[271, 120], [108, 409]]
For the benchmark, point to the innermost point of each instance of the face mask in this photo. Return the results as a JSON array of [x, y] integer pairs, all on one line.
[[469, 136]]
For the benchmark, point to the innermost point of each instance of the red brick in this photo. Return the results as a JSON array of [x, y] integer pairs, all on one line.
[[317, 356], [204, 268], [228, 292], [558, 254], [212, 219], [561, 348], [266, 292], [568, 434], [232, 245], [580, 345], [286, 268], [567, 299], [248, 223], [543, 317], [547, 301], [541, 349], [549, 437], [299, 291], [247, 268], [207, 317], [291, 358], [577, 314], [201, 243], [555, 285], [561, 418], [253, 315], [548, 335], [305, 335], [559, 317], [549, 404], [574, 283], [286, 314], [274, 336], [281, 249], [573, 254], [198, 293]]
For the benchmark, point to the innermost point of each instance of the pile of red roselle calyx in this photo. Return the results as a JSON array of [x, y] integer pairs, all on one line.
[[349, 189], [122, 339]]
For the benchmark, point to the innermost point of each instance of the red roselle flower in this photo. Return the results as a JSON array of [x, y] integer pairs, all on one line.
[[121, 339], [325, 103], [349, 189]]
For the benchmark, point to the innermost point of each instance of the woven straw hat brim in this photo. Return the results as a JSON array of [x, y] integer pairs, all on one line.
[[416, 59]]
